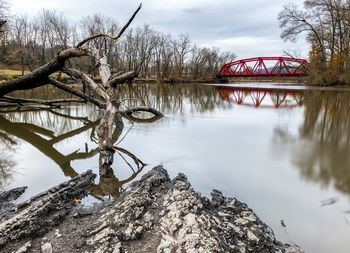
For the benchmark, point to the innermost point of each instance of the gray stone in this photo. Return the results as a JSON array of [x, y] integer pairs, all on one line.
[[25, 247], [46, 248]]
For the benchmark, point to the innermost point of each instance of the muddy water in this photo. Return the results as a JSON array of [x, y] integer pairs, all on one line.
[[285, 153]]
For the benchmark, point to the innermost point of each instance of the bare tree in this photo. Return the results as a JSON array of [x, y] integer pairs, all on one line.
[[327, 27], [105, 94]]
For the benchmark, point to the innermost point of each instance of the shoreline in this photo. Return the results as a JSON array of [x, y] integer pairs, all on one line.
[[157, 215]]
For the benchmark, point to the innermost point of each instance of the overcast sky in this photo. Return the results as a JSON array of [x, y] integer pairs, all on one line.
[[246, 28]]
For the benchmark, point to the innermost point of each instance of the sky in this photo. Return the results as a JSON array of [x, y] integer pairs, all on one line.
[[246, 28]]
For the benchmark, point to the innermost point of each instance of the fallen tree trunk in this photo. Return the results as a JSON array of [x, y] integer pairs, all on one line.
[[37, 215], [6, 200], [39, 77], [161, 215]]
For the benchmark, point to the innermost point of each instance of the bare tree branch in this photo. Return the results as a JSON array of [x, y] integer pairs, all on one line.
[[80, 44], [75, 92], [39, 77]]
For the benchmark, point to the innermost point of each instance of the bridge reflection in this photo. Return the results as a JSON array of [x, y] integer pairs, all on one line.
[[262, 97]]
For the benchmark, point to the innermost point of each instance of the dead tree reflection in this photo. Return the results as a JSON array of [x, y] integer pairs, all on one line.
[[7, 163], [45, 139]]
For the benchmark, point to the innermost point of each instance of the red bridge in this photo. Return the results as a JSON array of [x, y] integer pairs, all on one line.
[[264, 66]]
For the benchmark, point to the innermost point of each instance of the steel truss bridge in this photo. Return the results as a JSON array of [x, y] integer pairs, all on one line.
[[264, 67], [261, 97]]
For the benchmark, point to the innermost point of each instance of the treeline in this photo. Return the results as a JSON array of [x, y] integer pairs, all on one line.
[[326, 24], [29, 42]]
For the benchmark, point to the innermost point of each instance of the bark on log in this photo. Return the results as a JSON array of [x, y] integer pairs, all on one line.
[[75, 92], [6, 200], [53, 102], [143, 109], [41, 212], [120, 79], [39, 77]]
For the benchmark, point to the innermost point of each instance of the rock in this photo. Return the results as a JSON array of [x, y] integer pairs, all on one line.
[[82, 212], [25, 247], [57, 233], [6, 199], [46, 248], [217, 198], [169, 216], [13, 194], [160, 215]]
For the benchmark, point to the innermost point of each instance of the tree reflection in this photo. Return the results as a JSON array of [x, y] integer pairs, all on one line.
[[325, 156], [44, 140], [7, 164], [43, 127]]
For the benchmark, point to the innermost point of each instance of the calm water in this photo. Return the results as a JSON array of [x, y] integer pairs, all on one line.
[[284, 153]]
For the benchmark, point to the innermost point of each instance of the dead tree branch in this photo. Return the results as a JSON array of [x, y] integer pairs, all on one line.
[[54, 103], [39, 77], [119, 79], [75, 92], [80, 44]]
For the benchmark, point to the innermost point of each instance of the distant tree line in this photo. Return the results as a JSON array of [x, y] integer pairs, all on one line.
[[326, 24], [29, 42]]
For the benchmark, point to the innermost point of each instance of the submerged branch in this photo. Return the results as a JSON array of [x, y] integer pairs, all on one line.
[[143, 109], [54, 102], [75, 92]]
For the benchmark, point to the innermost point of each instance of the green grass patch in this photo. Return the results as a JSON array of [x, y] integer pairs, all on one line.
[[8, 74], [12, 73]]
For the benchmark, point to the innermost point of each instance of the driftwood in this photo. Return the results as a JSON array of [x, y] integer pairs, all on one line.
[[104, 95], [50, 103], [39, 77], [37, 215]]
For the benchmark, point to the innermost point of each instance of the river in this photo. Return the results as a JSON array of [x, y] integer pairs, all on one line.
[[284, 150]]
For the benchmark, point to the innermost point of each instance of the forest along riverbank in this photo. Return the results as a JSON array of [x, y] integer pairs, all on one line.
[[157, 214]]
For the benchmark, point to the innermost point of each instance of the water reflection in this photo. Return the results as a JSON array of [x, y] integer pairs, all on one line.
[[7, 163], [46, 128], [262, 98], [324, 134], [325, 155]]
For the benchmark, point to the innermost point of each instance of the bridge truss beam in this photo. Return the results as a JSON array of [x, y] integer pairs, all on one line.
[[257, 67]]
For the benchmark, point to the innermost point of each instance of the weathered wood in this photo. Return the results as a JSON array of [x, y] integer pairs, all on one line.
[[85, 79], [105, 140], [53, 102], [143, 109], [80, 44], [41, 212], [39, 77], [7, 198], [75, 92], [124, 78]]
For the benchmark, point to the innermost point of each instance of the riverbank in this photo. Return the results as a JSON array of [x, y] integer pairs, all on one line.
[[156, 215], [7, 74]]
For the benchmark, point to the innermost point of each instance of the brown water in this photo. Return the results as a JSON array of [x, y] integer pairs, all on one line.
[[285, 153]]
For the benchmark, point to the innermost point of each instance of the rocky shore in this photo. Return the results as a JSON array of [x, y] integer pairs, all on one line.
[[157, 215]]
